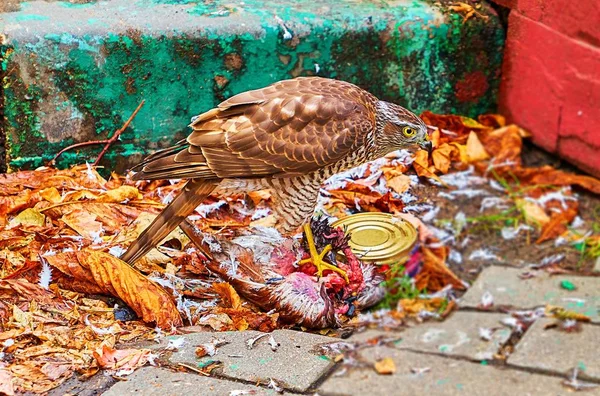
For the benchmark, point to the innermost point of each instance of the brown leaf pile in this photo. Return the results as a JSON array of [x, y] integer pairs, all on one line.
[[495, 148]]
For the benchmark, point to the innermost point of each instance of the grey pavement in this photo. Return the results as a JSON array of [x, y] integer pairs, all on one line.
[[419, 374], [559, 351], [507, 289], [295, 363], [459, 336], [457, 356], [150, 381]]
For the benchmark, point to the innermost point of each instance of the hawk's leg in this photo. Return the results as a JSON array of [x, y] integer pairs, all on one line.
[[296, 198], [317, 258]]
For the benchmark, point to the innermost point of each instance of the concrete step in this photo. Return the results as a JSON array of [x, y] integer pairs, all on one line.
[[75, 71]]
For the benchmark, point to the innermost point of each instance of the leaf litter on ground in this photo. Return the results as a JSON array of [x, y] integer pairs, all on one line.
[[62, 231]]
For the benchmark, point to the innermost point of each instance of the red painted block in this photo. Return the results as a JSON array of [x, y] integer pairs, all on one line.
[[551, 86], [530, 94], [576, 19]]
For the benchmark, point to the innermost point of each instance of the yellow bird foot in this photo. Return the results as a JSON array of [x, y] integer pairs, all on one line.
[[316, 258]]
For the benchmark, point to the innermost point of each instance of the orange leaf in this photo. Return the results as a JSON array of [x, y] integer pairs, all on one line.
[[454, 123], [121, 359], [149, 300], [492, 120], [230, 297], [504, 144], [435, 275], [550, 176], [421, 165], [260, 195], [557, 225], [442, 157], [115, 277], [84, 223]]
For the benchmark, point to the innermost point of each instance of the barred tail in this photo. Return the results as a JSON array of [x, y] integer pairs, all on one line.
[[192, 195]]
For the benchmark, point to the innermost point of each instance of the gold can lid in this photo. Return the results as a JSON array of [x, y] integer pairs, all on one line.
[[379, 237]]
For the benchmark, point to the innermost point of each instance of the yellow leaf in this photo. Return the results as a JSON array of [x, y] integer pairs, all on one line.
[[24, 319], [51, 195], [385, 366], [120, 194], [475, 150], [28, 217], [533, 212], [267, 221], [462, 152]]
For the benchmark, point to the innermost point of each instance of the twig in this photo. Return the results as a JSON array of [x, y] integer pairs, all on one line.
[[107, 142]]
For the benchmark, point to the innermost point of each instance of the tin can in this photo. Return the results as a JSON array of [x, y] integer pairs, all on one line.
[[380, 238]]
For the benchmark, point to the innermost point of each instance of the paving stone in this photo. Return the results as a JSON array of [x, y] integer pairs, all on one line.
[[149, 381], [558, 351], [508, 289], [458, 336], [446, 377], [295, 363], [370, 334]]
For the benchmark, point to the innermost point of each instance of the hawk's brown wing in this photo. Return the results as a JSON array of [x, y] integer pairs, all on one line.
[[288, 128]]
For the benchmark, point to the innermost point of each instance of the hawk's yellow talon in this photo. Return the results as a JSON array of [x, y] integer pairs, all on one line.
[[317, 258]]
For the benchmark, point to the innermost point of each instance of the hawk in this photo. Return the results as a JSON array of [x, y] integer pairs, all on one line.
[[288, 137]]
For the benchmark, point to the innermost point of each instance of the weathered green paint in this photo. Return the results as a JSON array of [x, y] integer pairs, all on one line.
[[75, 72]]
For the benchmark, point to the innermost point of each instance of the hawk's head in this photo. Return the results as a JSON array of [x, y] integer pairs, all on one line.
[[399, 128]]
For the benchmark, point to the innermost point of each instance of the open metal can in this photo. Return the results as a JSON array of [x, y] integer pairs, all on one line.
[[380, 238]]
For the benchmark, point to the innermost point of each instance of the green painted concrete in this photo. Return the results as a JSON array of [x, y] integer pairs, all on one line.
[[75, 72]]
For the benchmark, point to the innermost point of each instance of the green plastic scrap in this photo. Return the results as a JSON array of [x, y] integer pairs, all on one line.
[[568, 285]]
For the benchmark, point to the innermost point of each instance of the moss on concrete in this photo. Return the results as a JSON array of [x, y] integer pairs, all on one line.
[[78, 74]]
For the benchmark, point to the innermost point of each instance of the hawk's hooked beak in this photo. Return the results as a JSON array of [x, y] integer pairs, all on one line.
[[426, 145]]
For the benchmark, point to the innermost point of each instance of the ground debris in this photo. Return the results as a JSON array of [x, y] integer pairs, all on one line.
[[62, 231]]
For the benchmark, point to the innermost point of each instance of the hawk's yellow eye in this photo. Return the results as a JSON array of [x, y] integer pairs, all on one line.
[[409, 132]]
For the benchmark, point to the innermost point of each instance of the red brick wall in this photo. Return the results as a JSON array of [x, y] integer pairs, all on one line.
[[551, 76]]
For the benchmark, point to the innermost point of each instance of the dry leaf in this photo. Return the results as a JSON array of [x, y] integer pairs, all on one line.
[[115, 277], [84, 223], [421, 165], [267, 221], [121, 359], [28, 217], [557, 225], [492, 120], [435, 274], [475, 150], [149, 300], [442, 157], [547, 175], [120, 194], [6, 383], [533, 212], [413, 307], [231, 298], [385, 366], [399, 183], [51, 195]]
